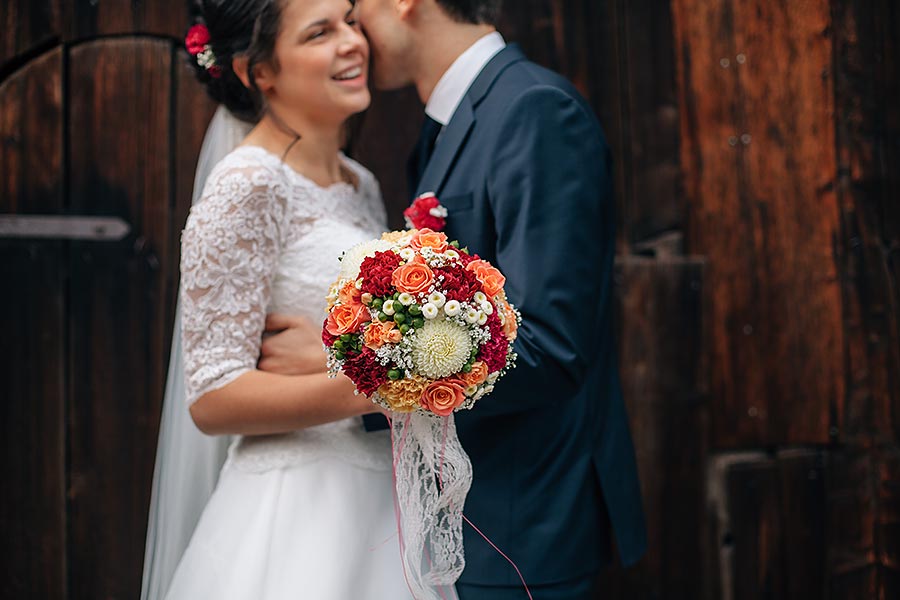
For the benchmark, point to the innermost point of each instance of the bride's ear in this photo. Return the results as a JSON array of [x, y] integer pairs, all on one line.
[[239, 65]]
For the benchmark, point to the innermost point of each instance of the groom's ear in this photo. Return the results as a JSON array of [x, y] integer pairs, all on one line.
[[406, 8]]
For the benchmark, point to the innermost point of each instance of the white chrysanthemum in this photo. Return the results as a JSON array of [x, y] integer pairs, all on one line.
[[487, 308], [451, 253], [353, 258], [479, 297], [472, 316], [405, 299], [429, 310], [407, 254], [388, 308], [452, 308], [438, 299], [441, 348], [482, 318]]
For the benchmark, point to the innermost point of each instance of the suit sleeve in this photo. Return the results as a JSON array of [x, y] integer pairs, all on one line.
[[550, 191]]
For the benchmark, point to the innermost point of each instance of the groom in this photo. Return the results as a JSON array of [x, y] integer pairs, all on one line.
[[517, 157]]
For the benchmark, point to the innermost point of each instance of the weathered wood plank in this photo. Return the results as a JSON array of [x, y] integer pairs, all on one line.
[[91, 18], [664, 383], [867, 85], [852, 565], [770, 517], [120, 129], [757, 131], [26, 24], [32, 366], [619, 55]]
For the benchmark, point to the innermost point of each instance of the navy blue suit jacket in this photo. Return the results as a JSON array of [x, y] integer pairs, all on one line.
[[524, 171]]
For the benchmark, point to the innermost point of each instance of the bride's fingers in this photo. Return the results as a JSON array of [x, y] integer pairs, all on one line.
[[279, 322]]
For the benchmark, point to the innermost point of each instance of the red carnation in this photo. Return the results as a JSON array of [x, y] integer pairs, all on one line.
[[377, 271], [364, 370], [419, 214], [493, 353], [458, 284], [197, 37], [467, 258]]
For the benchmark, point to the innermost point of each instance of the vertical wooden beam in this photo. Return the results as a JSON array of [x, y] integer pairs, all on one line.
[[32, 312], [664, 384], [867, 87], [121, 165], [757, 130]]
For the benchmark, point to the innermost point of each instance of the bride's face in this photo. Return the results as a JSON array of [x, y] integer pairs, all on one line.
[[322, 59]]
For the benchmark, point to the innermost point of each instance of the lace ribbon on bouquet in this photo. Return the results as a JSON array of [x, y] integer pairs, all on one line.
[[432, 475]]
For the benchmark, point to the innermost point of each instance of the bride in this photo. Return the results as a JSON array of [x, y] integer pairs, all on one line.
[[302, 507]]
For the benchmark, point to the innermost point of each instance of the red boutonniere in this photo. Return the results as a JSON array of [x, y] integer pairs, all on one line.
[[426, 212]]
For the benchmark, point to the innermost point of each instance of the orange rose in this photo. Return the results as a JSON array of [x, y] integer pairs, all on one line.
[[442, 397], [378, 334], [491, 279], [349, 294], [427, 238], [510, 326], [413, 277], [477, 375], [347, 318]]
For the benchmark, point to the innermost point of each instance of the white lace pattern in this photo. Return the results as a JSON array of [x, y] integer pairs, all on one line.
[[263, 238]]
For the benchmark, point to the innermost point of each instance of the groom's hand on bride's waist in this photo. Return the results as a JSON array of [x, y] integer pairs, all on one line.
[[291, 345]]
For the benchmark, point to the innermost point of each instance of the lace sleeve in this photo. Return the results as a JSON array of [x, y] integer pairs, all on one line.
[[229, 251]]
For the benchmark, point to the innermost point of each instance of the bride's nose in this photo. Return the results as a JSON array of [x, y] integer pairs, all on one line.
[[352, 40]]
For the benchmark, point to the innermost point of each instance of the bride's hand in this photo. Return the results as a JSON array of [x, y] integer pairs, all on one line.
[[291, 346]]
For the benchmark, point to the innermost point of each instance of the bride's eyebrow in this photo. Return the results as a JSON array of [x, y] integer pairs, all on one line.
[[318, 23]]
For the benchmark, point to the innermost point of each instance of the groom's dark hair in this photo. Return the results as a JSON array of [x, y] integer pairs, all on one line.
[[477, 12]]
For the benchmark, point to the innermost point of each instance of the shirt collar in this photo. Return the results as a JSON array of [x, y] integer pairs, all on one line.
[[454, 84]]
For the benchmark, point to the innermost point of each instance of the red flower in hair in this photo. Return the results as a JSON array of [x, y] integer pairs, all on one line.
[[197, 37]]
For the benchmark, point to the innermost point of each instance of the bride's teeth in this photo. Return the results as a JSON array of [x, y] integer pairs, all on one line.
[[351, 74]]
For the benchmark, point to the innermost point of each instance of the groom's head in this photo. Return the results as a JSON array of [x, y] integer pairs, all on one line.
[[404, 33]]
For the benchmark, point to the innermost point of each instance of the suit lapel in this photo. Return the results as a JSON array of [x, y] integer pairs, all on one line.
[[448, 146], [455, 135]]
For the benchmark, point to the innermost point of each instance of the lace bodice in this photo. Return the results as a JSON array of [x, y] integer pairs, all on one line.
[[263, 238]]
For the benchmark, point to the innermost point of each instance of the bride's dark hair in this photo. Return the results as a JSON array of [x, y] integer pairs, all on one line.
[[237, 27]]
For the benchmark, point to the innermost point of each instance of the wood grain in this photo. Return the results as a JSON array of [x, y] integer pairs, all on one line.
[[27, 25], [122, 166], [87, 19], [757, 148], [32, 365], [664, 384], [867, 82]]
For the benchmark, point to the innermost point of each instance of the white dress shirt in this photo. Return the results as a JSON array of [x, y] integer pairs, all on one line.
[[457, 80]]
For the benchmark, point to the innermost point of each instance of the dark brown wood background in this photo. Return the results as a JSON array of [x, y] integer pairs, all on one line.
[[757, 148]]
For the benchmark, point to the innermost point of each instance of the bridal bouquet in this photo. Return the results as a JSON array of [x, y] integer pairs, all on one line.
[[424, 329], [418, 324]]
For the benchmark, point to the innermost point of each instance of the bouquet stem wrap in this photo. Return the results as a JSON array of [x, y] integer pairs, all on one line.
[[432, 475]]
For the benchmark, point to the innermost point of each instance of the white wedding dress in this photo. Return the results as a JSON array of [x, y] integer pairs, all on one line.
[[305, 515]]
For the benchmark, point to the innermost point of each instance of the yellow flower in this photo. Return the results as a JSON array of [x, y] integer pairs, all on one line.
[[403, 395], [396, 237]]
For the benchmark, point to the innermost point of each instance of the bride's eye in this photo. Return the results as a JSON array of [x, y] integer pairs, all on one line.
[[317, 34]]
